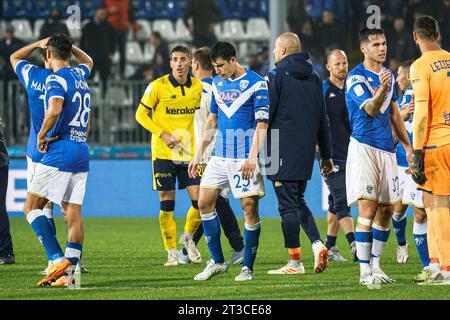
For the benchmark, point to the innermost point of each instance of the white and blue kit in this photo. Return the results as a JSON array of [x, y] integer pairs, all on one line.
[[62, 173], [408, 188], [33, 80], [371, 163], [239, 104]]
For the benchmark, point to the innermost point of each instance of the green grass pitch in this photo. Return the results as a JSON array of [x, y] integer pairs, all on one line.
[[125, 259]]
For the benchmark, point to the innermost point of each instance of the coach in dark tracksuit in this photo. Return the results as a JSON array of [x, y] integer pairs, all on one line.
[[6, 247], [298, 111]]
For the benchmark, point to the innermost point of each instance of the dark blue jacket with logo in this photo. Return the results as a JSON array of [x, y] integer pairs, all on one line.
[[297, 110]]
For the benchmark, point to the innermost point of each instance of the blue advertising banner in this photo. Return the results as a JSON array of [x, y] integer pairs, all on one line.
[[123, 188]]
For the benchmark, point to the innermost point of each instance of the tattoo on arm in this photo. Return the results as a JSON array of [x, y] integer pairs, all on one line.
[[374, 105]]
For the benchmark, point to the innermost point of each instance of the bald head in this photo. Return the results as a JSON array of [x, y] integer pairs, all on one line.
[[336, 54], [286, 44], [337, 65]]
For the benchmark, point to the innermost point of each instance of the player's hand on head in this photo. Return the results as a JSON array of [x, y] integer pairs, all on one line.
[[43, 43]]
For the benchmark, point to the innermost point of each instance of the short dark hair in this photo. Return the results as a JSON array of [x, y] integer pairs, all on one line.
[[201, 55], [426, 27], [365, 33], [223, 50], [182, 49], [406, 64], [61, 46]]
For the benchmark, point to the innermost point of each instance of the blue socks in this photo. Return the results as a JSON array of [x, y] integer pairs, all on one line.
[[251, 242], [45, 233], [211, 228], [420, 238], [399, 224], [49, 214], [364, 240]]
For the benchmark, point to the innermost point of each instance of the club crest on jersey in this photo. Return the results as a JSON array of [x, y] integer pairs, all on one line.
[[243, 85], [369, 189]]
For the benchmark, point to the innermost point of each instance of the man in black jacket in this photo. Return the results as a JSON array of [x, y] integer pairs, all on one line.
[[6, 246], [298, 113], [205, 14], [102, 50]]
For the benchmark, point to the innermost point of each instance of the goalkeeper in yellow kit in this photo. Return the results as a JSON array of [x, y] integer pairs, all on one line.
[[172, 101]]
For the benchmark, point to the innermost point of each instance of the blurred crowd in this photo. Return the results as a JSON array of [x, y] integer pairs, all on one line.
[[322, 25]]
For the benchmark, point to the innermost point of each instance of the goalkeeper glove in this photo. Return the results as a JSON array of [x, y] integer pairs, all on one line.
[[417, 167]]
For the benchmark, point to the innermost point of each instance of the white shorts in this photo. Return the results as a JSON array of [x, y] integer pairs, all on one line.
[[31, 167], [223, 173], [408, 189], [371, 174], [58, 186]]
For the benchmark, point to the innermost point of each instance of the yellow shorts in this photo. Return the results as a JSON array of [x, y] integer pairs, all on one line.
[[437, 171]]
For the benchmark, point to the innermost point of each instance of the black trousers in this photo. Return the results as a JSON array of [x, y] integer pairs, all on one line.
[[120, 38], [295, 212], [6, 246]]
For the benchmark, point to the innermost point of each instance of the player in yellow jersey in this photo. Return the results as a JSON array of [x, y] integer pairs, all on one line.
[[172, 101], [430, 75]]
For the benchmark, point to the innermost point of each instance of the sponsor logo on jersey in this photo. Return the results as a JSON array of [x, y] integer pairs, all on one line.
[[177, 111], [229, 95], [332, 95], [369, 189], [278, 184]]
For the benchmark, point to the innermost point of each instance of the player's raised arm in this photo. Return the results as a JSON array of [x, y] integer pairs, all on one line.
[[373, 106], [25, 52], [82, 57]]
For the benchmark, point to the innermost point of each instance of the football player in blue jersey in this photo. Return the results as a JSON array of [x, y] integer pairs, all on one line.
[[60, 176], [410, 195], [33, 79], [239, 116], [371, 174]]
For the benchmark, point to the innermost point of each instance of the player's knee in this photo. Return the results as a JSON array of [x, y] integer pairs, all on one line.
[[342, 212], [205, 205], [420, 215], [289, 216], [250, 209]]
